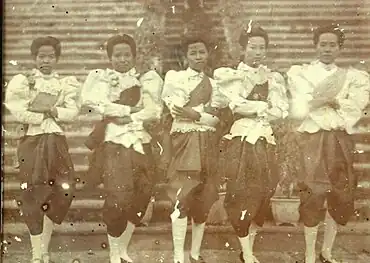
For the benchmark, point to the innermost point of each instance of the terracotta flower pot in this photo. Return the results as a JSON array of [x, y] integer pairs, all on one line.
[[285, 210]]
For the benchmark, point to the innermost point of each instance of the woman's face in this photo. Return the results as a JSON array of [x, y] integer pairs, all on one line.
[[255, 51], [328, 48], [197, 56], [46, 59], [122, 58]]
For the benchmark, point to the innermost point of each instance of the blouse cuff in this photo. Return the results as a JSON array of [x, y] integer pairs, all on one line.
[[208, 119]]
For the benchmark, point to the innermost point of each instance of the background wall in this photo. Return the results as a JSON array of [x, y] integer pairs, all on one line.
[[83, 26]]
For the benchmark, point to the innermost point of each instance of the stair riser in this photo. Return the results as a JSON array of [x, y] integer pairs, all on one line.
[[277, 37], [160, 242], [100, 56], [90, 15], [276, 42], [81, 70], [161, 214]]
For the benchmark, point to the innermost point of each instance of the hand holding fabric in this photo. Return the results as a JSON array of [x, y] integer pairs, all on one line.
[[186, 112]]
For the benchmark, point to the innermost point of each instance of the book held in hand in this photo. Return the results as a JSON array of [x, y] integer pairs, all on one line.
[[43, 102]]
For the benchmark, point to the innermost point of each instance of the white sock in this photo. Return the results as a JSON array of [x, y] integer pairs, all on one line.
[[330, 233], [310, 234], [178, 234], [196, 239], [114, 249], [245, 243], [124, 241], [252, 234], [253, 229], [36, 241], [46, 236]]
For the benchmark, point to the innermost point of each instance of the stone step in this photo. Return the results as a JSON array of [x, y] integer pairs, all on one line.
[[279, 41], [281, 14], [80, 155], [88, 210], [91, 55], [92, 198], [208, 2], [12, 189], [100, 29], [81, 70], [103, 33], [81, 228], [216, 247]]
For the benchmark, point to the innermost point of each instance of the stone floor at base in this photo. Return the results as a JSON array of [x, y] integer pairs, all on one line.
[[220, 256]]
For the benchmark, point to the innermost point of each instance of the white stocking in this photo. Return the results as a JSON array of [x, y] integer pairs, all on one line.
[[124, 241], [46, 237], [310, 234], [36, 241], [196, 239], [114, 249], [179, 226], [330, 233]]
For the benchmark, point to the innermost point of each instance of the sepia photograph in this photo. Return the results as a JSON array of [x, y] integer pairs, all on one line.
[[185, 131]]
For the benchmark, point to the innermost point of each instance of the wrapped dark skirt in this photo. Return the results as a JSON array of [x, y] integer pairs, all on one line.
[[328, 176], [251, 173], [127, 177], [47, 169], [193, 169]]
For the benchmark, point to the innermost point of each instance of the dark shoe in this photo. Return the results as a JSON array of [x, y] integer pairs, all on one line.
[[241, 257], [124, 261], [46, 258], [324, 260], [200, 260]]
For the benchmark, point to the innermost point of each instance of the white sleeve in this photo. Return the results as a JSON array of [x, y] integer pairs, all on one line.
[[351, 108], [95, 94], [277, 97], [173, 92], [152, 85], [231, 84], [70, 108], [17, 98]]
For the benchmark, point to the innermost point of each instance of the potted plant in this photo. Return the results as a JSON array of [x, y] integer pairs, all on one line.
[[285, 202]]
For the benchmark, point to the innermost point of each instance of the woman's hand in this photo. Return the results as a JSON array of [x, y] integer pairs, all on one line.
[[53, 112], [135, 109], [122, 120], [186, 112]]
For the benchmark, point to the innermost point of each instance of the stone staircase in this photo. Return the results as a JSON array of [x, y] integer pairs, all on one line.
[[83, 26]]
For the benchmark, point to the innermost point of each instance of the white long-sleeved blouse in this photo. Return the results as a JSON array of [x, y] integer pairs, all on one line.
[[352, 98], [237, 84], [103, 87], [19, 95], [177, 89]]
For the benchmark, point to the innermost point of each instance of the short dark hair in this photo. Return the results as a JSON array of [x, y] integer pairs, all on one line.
[[330, 28], [119, 39], [252, 31], [192, 39], [46, 41]]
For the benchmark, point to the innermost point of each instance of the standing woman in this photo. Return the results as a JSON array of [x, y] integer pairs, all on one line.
[[127, 101], [193, 100], [41, 100], [327, 101], [257, 98]]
